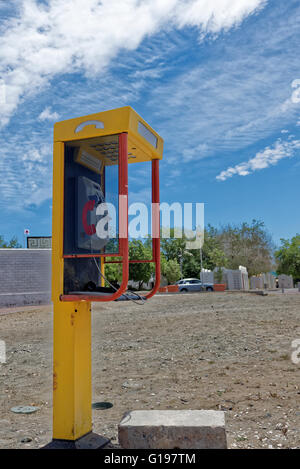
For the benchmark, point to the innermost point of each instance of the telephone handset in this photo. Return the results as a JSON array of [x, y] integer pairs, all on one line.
[[89, 196]]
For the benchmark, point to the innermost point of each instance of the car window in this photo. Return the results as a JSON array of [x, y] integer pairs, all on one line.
[[195, 281]]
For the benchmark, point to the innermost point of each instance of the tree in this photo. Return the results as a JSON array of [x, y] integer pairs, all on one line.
[[173, 248], [212, 253], [12, 244], [217, 258], [288, 257], [246, 244], [140, 272], [191, 264], [230, 246], [170, 270], [113, 272]]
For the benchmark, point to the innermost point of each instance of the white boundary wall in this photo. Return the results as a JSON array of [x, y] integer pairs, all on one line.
[[207, 276], [263, 282], [235, 279], [285, 281]]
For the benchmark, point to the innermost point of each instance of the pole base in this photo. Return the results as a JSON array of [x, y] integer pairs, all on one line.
[[89, 441]]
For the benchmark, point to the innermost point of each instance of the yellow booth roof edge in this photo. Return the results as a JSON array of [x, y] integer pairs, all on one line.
[[114, 121]]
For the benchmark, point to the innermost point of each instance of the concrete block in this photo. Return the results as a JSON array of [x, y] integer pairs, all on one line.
[[173, 429]]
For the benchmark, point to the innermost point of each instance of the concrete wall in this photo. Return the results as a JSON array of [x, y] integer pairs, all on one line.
[[235, 279], [285, 281], [263, 281], [269, 281], [207, 276], [25, 277], [257, 283]]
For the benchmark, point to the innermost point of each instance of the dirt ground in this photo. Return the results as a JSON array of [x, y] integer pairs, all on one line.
[[227, 351]]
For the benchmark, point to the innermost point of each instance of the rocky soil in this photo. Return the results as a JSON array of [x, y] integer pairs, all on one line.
[[227, 351]]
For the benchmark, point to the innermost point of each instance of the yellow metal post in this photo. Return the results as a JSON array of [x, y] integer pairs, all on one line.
[[72, 377]]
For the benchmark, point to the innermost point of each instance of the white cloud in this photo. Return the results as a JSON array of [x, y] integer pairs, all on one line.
[[171, 176], [296, 94], [213, 16], [268, 157], [64, 36], [227, 104], [234, 96], [2, 92], [25, 168], [47, 114], [196, 153]]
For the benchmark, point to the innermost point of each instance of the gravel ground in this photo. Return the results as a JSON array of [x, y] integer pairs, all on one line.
[[227, 351]]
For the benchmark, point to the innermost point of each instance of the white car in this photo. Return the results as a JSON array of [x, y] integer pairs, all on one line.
[[193, 284]]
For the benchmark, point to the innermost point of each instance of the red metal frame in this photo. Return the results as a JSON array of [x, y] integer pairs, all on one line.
[[76, 256], [123, 240], [135, 261], [155, 226]]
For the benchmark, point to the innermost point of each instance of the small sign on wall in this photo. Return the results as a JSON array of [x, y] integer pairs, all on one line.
[[39, 242]]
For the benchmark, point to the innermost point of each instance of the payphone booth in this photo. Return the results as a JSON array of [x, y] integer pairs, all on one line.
[[90, 229]]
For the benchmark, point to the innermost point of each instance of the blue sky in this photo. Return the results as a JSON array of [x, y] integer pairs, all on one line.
[[219, 80]]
